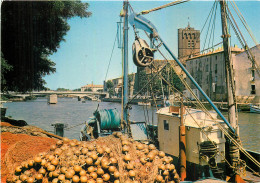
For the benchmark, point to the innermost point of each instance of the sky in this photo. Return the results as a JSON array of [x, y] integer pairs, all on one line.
[[84, 57]]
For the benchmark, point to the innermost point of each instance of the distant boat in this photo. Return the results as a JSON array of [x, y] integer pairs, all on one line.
[[144, 103], [255, 109], [52, 99]]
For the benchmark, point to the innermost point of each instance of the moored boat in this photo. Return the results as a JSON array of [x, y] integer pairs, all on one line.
[[255, 109], [144, 103]]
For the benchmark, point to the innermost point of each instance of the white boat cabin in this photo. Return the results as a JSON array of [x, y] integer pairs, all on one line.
[[194, 120]]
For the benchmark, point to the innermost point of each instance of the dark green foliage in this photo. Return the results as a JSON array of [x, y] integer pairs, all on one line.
[[5, 67], [111, 92], [88, 89], [109, 84], [62, 89], [156, 85], [31, 31], [142, 80]]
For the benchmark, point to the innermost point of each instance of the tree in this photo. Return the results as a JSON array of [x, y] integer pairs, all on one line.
[[110, 84], [62, 89], [5, 67], [31, 31], [142, 80]]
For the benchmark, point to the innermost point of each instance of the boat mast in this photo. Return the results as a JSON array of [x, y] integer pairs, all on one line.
[[233, 151], [125, 64], [229, 68]]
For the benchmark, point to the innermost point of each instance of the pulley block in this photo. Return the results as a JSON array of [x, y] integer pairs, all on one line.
[[142, 54]]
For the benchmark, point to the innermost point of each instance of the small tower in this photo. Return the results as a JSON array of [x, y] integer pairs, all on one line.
[[188, 43]]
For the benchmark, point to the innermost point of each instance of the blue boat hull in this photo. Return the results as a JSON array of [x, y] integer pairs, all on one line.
[[254, 109]]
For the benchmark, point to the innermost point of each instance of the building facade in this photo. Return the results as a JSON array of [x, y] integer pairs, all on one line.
[[209, 72], [188, 43], [247, 80], [92, 87]]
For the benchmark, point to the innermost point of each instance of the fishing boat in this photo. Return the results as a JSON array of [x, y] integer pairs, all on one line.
[[204, 144], [144, 103], [255, 109]]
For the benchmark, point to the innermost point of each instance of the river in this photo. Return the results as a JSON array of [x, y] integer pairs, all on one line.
[[72, 112]]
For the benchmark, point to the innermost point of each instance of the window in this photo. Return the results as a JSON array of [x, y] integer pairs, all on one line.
[[216, 57], [253, 89], [253, 74], [166, 125], [216, 79], [192, 44], [207, 68], [189, 44], [216, 68]]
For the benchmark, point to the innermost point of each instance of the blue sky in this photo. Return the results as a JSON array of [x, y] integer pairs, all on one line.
[[84, 56]]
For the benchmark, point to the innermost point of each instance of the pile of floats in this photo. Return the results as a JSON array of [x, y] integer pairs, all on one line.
[[113, 159]]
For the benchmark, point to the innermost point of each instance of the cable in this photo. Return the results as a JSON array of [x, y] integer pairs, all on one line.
[[163, 6], [248, 51], [111, 56], [244, 22]]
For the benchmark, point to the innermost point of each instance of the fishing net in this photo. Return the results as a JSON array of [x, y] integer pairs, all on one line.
[[118, 158]]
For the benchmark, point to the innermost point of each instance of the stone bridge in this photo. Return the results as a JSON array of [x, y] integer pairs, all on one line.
[[80, 94]]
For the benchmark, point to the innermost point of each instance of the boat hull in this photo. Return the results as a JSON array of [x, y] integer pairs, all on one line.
[[255, 109]]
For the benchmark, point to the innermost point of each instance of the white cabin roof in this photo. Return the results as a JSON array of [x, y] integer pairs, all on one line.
[[192, 117]]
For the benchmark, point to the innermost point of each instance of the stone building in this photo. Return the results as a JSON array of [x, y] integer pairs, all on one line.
[[92, 87], [209, 72], [247, 80], [188, 43]]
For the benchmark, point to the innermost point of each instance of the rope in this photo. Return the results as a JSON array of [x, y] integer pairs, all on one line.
[[163, 6], [227, 133], [244, 22], [199, 124], [212, 12], [189, 113], [111, 56], [248, 51]]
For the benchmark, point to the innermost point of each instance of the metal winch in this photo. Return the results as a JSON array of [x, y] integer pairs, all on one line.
[[142, 54]]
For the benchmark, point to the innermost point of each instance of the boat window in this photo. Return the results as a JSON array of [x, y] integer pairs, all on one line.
[[166, 125], [253, 74], [253, 89]]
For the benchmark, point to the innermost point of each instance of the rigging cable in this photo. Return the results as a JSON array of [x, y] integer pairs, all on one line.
[[212, 12], [111, 55], [248, 51], [220, 126], [213, 28], [160, 75], [198, 37], [163, 6], [227, 133], [244, 22]]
